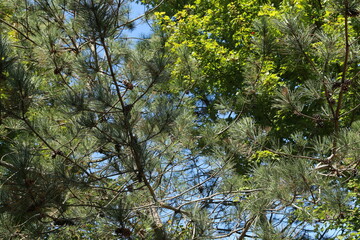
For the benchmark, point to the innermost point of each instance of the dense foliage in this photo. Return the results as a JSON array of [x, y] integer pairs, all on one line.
[[235, 119]]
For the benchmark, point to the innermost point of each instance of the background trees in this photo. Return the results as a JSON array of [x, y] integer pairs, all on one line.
[[291, 97], [235, 119]]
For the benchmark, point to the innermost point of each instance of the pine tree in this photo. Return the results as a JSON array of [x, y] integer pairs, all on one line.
[[103, 149], [249, 129], [89, 124], [291, 113]]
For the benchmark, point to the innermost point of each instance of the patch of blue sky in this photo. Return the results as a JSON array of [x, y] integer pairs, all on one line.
[[142, 26]]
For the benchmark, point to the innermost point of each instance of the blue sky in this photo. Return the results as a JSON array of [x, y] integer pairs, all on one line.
[[142, 26]]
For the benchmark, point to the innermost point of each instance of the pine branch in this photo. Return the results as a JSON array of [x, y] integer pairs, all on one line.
[[246, 228], [6, 164], [143, 15], [17, 30], [343, 78], [299, 156], [351, 110], [55, 151], [231, 232]]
